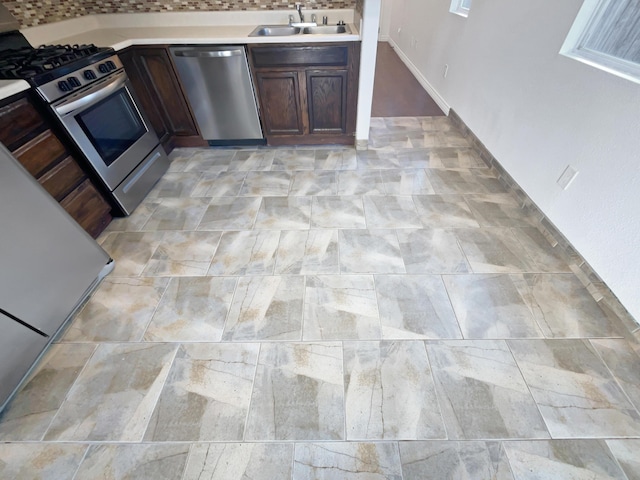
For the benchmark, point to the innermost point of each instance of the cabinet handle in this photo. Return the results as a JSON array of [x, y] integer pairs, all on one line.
[[208, 53]]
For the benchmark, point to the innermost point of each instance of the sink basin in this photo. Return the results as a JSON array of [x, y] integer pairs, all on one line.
[[327, 29], [274, 31], [285, 30]]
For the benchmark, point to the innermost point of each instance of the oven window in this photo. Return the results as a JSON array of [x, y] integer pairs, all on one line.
[[112, 125]]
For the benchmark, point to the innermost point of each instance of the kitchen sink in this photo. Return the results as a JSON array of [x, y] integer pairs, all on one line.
[[286, 30], [274, 31], [327, 29]]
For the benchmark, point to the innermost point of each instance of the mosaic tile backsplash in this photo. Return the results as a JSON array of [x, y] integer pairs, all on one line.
[[38, 12]]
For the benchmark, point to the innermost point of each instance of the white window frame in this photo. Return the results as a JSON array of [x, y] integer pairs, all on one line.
[[460, 7], [573, 47]]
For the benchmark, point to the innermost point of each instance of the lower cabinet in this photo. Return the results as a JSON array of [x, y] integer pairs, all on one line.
[[88, 208], [281, 103], [30, 138], [307, 92], [327, 99], [156, 83]]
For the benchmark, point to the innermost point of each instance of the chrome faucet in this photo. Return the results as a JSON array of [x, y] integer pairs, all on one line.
[[299, 9], [302, 22]]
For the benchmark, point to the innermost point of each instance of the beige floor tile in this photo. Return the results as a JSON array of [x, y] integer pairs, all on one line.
[[114, 396], [182, 254], [207, 394], [119, 311], [157, 461], [298, 393], [40, 461], [321, 312], [389, 392], [192, 309], [240, 461]]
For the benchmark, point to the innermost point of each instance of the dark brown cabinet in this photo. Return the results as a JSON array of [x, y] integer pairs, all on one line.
[[327, 101], [307, 93], [281, 103], [156, 84], [30, 138]]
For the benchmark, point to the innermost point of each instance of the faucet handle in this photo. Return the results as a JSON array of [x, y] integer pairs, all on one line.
[[291, 20]]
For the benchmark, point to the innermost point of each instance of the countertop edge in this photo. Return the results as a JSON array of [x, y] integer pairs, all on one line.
[[11, 87], [119, 39]]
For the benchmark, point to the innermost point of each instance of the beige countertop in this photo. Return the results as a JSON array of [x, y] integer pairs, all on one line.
[[11, 87], [120, 38], [122, 30]]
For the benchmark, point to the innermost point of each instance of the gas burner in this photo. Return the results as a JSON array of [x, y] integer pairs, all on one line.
[[29, 62]]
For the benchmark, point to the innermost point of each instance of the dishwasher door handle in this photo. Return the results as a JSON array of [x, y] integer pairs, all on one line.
[[209, 53]]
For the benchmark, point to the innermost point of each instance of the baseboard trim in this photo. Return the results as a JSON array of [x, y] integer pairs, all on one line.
[[598, 289], [421, 79]]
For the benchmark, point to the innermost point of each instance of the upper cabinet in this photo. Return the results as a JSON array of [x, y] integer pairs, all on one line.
[[307, 92], [155, 81]]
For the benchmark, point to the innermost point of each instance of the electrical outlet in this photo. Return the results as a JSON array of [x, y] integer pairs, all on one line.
[[567, 177], [446, 70]]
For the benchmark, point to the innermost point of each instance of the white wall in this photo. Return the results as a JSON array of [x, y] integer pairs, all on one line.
[[537, 112], [385, 20], [369, 33]]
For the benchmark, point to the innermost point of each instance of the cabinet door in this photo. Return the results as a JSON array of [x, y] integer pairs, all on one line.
[[17, 120], [327, 101], [279, 94], [40, 153], [160, 92], [88, 208], [150, 106]]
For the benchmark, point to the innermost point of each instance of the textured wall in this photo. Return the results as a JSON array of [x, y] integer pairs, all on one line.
[[537, 112], [37, 12]]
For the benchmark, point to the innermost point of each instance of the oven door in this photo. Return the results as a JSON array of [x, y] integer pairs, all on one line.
[[106, 124]]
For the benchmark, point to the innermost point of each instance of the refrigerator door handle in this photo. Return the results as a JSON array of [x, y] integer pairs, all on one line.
[[23, 323]]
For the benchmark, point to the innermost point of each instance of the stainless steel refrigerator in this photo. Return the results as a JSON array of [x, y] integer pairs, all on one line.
[[48, 266]]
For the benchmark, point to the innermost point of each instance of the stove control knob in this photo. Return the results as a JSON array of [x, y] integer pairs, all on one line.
[[64, 86], [103, 68], [111, 65], [73, 82], [89, 74]]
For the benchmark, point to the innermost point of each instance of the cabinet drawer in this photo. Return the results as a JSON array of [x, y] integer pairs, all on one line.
[[62, 178], [285, 56], [17, 120], [88, 208], [39, 153]]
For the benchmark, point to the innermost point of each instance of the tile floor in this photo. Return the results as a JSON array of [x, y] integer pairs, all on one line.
[[322, 314]]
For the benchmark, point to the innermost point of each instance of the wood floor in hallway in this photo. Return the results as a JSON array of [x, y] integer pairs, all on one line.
[[396, 92]]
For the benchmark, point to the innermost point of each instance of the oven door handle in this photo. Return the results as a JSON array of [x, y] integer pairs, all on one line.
[[95, 95]]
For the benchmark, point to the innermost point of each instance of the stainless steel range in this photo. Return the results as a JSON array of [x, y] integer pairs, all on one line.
[[87, 90]]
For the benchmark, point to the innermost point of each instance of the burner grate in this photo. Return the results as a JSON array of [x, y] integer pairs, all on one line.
[[28, 62]]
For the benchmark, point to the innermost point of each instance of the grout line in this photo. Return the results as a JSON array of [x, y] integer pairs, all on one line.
[[253, 388], [84, 456]]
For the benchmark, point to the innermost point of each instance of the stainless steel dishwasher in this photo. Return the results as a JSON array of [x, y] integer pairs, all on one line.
[[217, 82]]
